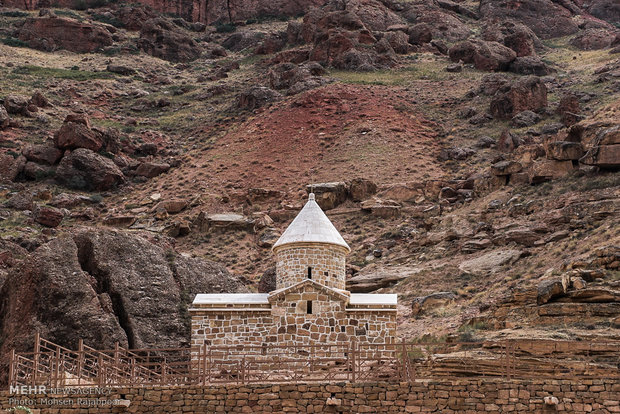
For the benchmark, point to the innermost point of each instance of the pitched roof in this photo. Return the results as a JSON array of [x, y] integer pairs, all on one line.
[[335, 293], [311, 226]]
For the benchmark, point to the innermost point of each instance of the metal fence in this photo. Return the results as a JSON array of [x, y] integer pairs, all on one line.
[[56, 366]]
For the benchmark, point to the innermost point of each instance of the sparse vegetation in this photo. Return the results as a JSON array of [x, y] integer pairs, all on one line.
[[73, 74]]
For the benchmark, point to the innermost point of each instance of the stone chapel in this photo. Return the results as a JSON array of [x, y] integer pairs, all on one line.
[[310, 304]]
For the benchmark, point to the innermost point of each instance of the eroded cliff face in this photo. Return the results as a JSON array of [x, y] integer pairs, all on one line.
[[204, 11]]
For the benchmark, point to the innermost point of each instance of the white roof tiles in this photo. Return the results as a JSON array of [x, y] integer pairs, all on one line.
[[311, 226], [373, 299], [234, 298]]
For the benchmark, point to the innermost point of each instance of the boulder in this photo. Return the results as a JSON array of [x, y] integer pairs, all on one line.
[[52, 33], [490, 262], [423, 304], [550, 289], [546, 18], [224, 222], [529, 65], [239, 41], [604, 156], [10, 167], [420, 34], [42, 154], [545, 170], [493, 83], [399, 42], [594, 39], [489, 56], [374, 14], [286, 75], [72, 135], [48, 216], [516, 36], [271, 44], [255, 97], [5, 120], [569, 109], [133, 16], [162, 39], [21, 201], [267, 282], [172, 206], [368, 280], [362, 189], [84, 169], [506, 168], [508, 141], [604, 150], [17, 105], [34, 171], [564, 150], [120, 69], [329, 195], [528, 93], [525, 119], [39, 100], [381, 208], [152, 169], [444, 24], [524, 236]]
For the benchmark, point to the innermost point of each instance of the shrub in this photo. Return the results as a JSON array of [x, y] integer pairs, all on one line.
[[225, 27], [14, 13], [13, 42]]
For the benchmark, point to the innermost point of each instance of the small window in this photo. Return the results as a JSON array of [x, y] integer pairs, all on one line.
[[309, 307], [309, 273]]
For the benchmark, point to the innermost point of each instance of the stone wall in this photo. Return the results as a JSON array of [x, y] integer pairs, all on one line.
[[445, 396], [327, 263], [288, 321]]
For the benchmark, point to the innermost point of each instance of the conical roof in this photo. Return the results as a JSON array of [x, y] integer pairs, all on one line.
[[311, 226]]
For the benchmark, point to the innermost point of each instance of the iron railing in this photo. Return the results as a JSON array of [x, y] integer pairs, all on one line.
[[56, 366]]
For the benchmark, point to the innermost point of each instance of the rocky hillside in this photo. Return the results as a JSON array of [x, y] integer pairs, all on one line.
[[467, 150]]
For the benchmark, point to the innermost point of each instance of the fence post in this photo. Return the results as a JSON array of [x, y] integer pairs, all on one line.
[[353, 362], [12, 368], [100, 372], [404, 363], [57, 367], [37, 349], [243, 379], [80, 362], [163, 372]]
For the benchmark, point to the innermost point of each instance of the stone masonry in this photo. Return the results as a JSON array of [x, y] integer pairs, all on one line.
[[466, 396]]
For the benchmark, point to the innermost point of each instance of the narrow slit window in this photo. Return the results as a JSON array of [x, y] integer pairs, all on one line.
[[309, 273], [309, 307]]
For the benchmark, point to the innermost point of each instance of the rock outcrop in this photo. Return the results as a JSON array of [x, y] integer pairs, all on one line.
[[162, 39], [491, 56], [546, 18], [528, 93], [52, 33], [105, 286], [84, 169]]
